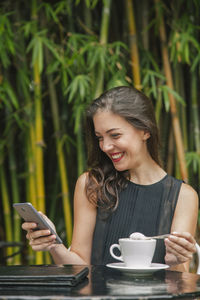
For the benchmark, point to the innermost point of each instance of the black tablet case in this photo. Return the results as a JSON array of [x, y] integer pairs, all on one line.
[[42, 275]]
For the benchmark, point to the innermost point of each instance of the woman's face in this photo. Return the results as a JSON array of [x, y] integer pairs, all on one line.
[[124, 144]]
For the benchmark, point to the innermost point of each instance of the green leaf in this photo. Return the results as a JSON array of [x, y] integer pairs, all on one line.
[[11, 94], [53, 49], [193, 160], [176, 95]]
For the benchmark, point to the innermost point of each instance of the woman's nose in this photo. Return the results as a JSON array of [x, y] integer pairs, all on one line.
[[106, 146]]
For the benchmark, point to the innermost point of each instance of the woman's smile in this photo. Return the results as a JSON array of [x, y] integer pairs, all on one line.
[[116, 157]]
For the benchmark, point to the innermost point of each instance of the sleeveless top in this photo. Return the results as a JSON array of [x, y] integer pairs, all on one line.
[[148, 209]]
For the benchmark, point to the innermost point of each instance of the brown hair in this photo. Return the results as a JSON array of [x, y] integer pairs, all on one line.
[[104, 181]]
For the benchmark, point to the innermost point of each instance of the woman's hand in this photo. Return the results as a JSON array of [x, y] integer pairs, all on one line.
[[40, 240], [180, 247]]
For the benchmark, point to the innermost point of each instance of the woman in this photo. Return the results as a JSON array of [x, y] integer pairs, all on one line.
[[125, 190]]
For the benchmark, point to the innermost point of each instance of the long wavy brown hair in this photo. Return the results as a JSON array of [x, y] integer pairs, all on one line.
[[104, 182]]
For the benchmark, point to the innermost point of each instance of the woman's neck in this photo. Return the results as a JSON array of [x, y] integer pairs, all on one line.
[[147, 173]]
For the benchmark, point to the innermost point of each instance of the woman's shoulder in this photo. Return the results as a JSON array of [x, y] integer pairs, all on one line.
[[80, 194], [82, 179], [188, 192]]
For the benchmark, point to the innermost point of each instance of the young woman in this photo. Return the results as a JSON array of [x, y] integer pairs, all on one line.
[[125, 189]]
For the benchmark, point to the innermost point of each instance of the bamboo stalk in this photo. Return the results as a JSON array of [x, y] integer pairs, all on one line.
[[194, 116], [80, 150], [30, 180], [103, 40], [158, 106], [30, 133], [195, 128], [60, 156], [179, 86], [65, 193], [195, 121], [170, 157], [145, 21], [6, 209], [29, 140], [133, 45], [168, 74], [32, 195], [39, 143], [15, 195]]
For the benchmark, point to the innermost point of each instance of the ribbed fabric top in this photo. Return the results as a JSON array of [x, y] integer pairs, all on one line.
[[148, 209]]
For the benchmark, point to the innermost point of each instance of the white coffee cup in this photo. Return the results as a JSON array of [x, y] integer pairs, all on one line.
[[135, 253]]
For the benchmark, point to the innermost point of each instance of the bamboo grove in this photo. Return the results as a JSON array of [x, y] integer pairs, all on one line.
[[58, 55]]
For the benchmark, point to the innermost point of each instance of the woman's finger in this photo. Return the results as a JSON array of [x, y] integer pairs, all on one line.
[[42, 240], [181, 254], [186, 235], [42, 247], [40, 233], [181, 244], [29, 225]]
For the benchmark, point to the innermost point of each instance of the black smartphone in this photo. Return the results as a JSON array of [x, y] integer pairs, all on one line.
[[28, 212]]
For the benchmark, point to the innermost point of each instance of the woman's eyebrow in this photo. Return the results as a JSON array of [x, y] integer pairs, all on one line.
[[108, 131]]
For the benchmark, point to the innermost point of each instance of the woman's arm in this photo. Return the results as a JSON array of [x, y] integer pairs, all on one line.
[[84, 223], [181, 245]]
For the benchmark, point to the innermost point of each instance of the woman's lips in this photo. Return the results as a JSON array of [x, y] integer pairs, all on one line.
[[116, 157]]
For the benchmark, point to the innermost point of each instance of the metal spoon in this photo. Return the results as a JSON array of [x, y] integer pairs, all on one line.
[[140, 236]]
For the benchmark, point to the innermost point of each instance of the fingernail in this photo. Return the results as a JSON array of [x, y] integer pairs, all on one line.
[[173, 237]]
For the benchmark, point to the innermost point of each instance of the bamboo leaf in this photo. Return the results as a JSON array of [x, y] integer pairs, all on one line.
[[78, 87], [165, 97], [27, 28], [89, 3], [195, 62], [11, 94], [175, 94], [50, 12], [193, 160], [53, 49]]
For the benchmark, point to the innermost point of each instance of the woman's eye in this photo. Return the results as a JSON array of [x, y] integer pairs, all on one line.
[[115, 135]]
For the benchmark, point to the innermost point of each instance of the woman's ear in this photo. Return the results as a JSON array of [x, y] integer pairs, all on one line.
[[146, 135]]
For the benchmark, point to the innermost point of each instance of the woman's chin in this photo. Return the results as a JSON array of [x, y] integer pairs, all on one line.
[[119, 168]]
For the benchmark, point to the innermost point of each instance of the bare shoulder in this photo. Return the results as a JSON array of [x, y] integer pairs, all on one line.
[[187, 193], [80, 197], [81, 181], [186, 212], [82, 178], [188, 200]]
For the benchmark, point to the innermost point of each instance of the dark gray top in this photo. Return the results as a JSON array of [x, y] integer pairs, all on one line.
[[148, 209]]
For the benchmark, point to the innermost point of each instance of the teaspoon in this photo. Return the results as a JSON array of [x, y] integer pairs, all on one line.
[[140, 236]]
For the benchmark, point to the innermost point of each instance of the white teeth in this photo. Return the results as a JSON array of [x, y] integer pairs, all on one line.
[[116, 156]]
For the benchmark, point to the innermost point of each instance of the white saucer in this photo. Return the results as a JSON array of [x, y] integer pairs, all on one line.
[[138, 271]]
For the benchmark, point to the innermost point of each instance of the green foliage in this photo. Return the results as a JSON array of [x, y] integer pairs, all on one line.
[[184, 41], [7, 46], [193, 161]]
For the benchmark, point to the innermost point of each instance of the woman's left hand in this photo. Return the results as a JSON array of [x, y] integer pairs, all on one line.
[[180, 247]]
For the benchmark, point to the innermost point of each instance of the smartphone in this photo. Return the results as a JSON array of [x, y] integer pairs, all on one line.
[[28, 212]]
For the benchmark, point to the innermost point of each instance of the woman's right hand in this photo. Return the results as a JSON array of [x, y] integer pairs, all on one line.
[[41, 239]]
